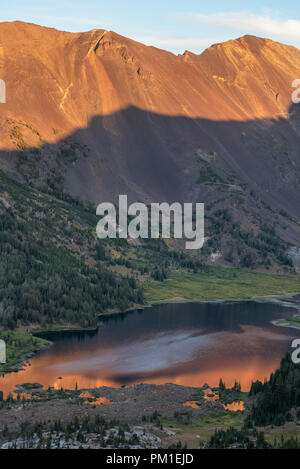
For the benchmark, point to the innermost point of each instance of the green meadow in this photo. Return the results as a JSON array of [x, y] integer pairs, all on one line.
[[220, 283]]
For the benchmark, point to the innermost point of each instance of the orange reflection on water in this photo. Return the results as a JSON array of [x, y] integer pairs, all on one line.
[[210, 396], [235, 406], [193, 404], [98, 401], [43, 370], [231, 372], [183, 356]]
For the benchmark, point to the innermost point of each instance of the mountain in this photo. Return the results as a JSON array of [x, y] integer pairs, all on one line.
[[96, 115]]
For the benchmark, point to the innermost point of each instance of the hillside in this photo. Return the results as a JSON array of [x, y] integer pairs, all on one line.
[[54, 272], [96, 114]]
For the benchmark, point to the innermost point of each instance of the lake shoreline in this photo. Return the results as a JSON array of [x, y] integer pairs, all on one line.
[[284, 324], [41, 333], [288, 323], [21, 364]]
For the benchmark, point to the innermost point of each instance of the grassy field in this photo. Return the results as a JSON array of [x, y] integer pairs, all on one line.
[[288, 430], [220, 283], [200, 431]]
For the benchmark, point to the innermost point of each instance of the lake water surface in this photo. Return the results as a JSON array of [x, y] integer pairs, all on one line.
[[189, 344]]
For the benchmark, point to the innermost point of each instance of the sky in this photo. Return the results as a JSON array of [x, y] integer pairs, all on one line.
[[175, 25]]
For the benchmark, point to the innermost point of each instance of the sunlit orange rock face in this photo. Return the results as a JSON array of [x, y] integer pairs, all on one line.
[[144, 113], [61, 80]]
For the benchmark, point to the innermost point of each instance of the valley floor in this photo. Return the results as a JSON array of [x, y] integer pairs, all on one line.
[[221, 283], [155, 414]]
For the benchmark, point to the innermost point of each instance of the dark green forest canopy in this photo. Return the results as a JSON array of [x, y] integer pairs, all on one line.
[[44, 275], [274, 399]]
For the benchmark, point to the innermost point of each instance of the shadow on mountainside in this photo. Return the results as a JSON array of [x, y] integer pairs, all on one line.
[[154, 157]]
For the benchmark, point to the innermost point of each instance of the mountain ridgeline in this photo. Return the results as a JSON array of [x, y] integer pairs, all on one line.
[[96, 115]]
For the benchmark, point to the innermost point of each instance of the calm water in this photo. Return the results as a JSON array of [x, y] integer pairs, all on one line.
[[189, 344]]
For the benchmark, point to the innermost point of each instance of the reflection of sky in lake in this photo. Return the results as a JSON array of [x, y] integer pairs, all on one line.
[[188, 344], [154, 353]]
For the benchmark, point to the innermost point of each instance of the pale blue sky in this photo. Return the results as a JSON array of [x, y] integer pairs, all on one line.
[[174, 25]]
